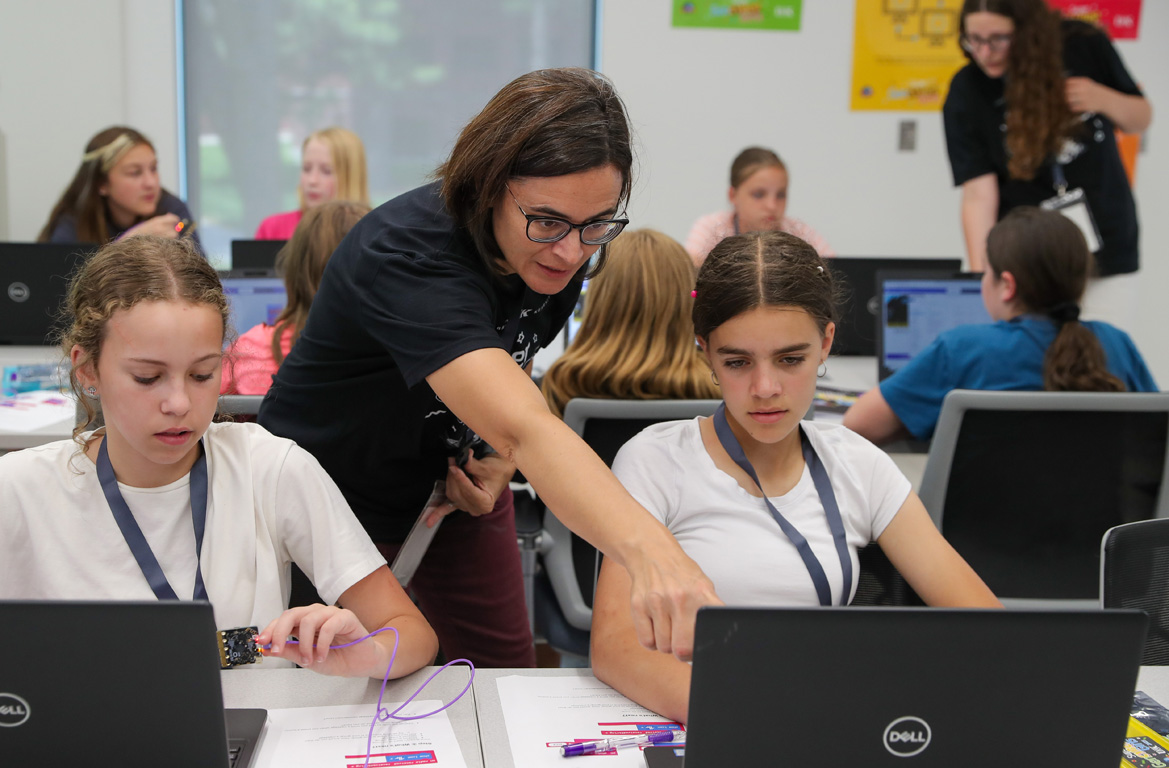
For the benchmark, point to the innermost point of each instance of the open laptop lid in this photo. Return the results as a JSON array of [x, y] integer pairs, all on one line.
[[856, 333], [117, 683], [253, 297], [870, 686], [33, 281], [255, 254], [918, 305]]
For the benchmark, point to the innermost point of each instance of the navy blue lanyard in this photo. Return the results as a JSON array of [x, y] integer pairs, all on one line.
[[133, 534], [827, 499]]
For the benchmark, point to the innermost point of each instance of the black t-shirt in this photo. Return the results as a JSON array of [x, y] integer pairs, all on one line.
[[975, 121], [405, 293]]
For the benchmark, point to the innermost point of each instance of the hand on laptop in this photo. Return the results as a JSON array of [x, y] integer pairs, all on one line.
[[667, 591], [323, 626]]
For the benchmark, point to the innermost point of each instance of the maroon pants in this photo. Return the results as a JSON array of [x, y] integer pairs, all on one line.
[[470, 588]]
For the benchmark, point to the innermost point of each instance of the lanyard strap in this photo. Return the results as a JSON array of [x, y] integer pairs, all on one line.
[[827, 499], [133, 534]]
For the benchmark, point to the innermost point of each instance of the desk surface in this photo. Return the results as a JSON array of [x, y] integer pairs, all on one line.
[[281, 688]]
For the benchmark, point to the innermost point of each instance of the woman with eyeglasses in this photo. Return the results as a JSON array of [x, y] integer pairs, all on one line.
[[1033, 115], [411, 381]]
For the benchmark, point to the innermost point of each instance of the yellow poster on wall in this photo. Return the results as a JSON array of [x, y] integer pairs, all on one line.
[[904, 54]]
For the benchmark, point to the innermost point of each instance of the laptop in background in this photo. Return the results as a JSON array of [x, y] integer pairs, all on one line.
[[117, 683], [875, 686], [33, 280], [253, 298], [856, 333], [255, 254], [917, 306]]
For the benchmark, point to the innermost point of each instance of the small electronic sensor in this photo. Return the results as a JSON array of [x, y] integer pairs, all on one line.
[[238, 647]]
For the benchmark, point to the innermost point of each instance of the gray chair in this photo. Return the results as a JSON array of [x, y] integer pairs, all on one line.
[[240, 405], [1134, 573], [1024, 484], [570, 562]]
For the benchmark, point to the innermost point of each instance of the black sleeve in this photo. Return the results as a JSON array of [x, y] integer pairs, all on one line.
[[425, 311], [961, 117], [65, 230], [1112, 71]]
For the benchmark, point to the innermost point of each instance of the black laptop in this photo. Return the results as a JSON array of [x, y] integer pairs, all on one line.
[[856, 333], [255, 254], [918, 305], [920, 687], [117, 683], [33, 281]]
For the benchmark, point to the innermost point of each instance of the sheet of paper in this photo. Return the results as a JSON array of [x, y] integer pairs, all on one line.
[[29, 411], [545, 713], [311, 737]]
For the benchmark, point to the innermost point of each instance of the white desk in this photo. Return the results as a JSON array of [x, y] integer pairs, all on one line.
[[286, 688], [62, 430]]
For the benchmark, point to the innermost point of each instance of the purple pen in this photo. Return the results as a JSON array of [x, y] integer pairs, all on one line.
[[589, 747]]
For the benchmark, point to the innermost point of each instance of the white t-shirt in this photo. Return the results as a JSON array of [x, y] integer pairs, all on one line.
[[269, 504], [732, 535]]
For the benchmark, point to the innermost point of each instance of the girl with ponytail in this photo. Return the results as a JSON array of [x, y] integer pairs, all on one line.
[[1038, 266]]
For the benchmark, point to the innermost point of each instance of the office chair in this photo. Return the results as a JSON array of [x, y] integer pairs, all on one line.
[[1024, 484], [1134, 573], [563, 604]]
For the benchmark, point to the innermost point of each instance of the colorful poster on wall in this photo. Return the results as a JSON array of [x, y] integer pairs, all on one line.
[[904, 54], [1121, 19], [724, 14]]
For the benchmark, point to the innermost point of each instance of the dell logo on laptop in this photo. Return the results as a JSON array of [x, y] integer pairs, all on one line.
[[18, 292], [14, 710], [907, 736]]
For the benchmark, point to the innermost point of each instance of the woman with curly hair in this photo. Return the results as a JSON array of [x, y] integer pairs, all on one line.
[[1033, 114], [636, 340]]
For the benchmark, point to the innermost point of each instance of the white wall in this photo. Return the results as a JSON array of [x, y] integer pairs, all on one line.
[[699, 96], [71, 67]]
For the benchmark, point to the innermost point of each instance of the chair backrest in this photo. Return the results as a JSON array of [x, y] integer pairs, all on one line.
[[240, 405], [1024, 484], [605, 425], [1134, 573]]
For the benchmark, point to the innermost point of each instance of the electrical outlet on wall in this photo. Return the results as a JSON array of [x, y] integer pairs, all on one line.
[[907, 136]]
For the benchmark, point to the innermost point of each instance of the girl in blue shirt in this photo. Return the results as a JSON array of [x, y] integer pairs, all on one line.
[[1038, 267]]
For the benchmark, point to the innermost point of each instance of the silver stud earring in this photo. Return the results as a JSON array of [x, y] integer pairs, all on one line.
[[91, 391]]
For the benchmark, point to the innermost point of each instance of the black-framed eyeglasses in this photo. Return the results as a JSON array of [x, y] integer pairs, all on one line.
[[994, 43], [550, 229]]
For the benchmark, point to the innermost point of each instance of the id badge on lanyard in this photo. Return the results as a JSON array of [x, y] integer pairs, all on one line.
[[1073, 204]]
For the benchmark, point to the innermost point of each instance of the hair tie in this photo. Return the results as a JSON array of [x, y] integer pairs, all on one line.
[[1066, 312], [694, 294]]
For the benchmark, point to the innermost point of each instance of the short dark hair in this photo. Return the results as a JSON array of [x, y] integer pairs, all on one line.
[[762, 269], [753, 159], [551, 122]]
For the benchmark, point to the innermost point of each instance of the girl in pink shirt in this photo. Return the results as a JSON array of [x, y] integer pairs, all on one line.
[[758, 194], [254, 357], [332, 168]]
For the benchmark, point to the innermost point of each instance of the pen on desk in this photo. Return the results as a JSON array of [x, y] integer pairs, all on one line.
[[589, 747]]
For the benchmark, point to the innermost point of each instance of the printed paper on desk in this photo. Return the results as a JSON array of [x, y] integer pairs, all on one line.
[[543, 714], [309, 737], [30, 411]]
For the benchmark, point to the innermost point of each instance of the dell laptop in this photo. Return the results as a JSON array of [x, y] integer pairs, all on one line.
[[255, 254], [117, 683], [898, 687], [34, 278], [856, 331]]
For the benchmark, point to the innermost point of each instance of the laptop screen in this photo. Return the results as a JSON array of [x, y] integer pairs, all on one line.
[[916, 307], [856, 331], [254, 300], [255, 254]]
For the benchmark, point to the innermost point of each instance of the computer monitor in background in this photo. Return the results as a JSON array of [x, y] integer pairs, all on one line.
[[253, 299], [917, 306], [34, 278], [856, 333], [255, 254]]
